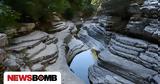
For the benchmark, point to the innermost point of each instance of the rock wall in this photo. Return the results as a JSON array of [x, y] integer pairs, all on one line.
[[143, 20], [130, 53]]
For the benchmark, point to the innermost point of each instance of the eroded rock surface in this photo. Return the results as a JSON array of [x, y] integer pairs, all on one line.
[[41, 51], [122, 59]]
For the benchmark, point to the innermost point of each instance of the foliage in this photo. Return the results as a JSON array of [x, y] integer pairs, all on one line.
[[42, 9], [8, 17]]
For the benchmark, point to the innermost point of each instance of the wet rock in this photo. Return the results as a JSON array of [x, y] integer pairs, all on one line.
[[3, 55], [3, 40]]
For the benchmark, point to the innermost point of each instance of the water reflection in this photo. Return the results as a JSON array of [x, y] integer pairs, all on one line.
[[80, 64]]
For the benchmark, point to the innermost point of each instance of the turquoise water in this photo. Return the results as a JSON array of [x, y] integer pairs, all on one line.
[[81, 63]]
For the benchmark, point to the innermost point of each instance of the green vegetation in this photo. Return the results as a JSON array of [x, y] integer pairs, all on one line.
[[19, 11], [41, 10], [8, 17]]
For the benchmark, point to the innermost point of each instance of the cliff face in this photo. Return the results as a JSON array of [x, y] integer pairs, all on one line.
[[131, 51]]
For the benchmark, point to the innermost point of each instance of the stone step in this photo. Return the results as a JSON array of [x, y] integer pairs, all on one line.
[[125, 68], [131, 41], [49, 52], [36, 35], [23, 46], [36, 50], [99, 75]]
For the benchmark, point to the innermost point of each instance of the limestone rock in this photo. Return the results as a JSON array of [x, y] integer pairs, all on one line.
[[23, 46], [156, 79], [37, 35], [27, 27], [75, 46], [11, 64], [99, 75], [37, 67], [3, 55], [37, 49], [49, 52], [3, 40]]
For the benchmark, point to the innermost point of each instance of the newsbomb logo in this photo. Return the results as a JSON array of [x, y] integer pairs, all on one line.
[[32, 78]]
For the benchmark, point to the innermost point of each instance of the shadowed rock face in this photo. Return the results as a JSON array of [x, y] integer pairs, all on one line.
[[131, 54], [143, 21], [122, 59]]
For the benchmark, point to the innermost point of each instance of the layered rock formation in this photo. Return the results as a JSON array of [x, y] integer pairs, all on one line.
[[131, 52], [3, 43], [128, 48], [41, 51]]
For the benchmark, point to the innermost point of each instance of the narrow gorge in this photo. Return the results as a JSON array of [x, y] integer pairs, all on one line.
[[118, 50]]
